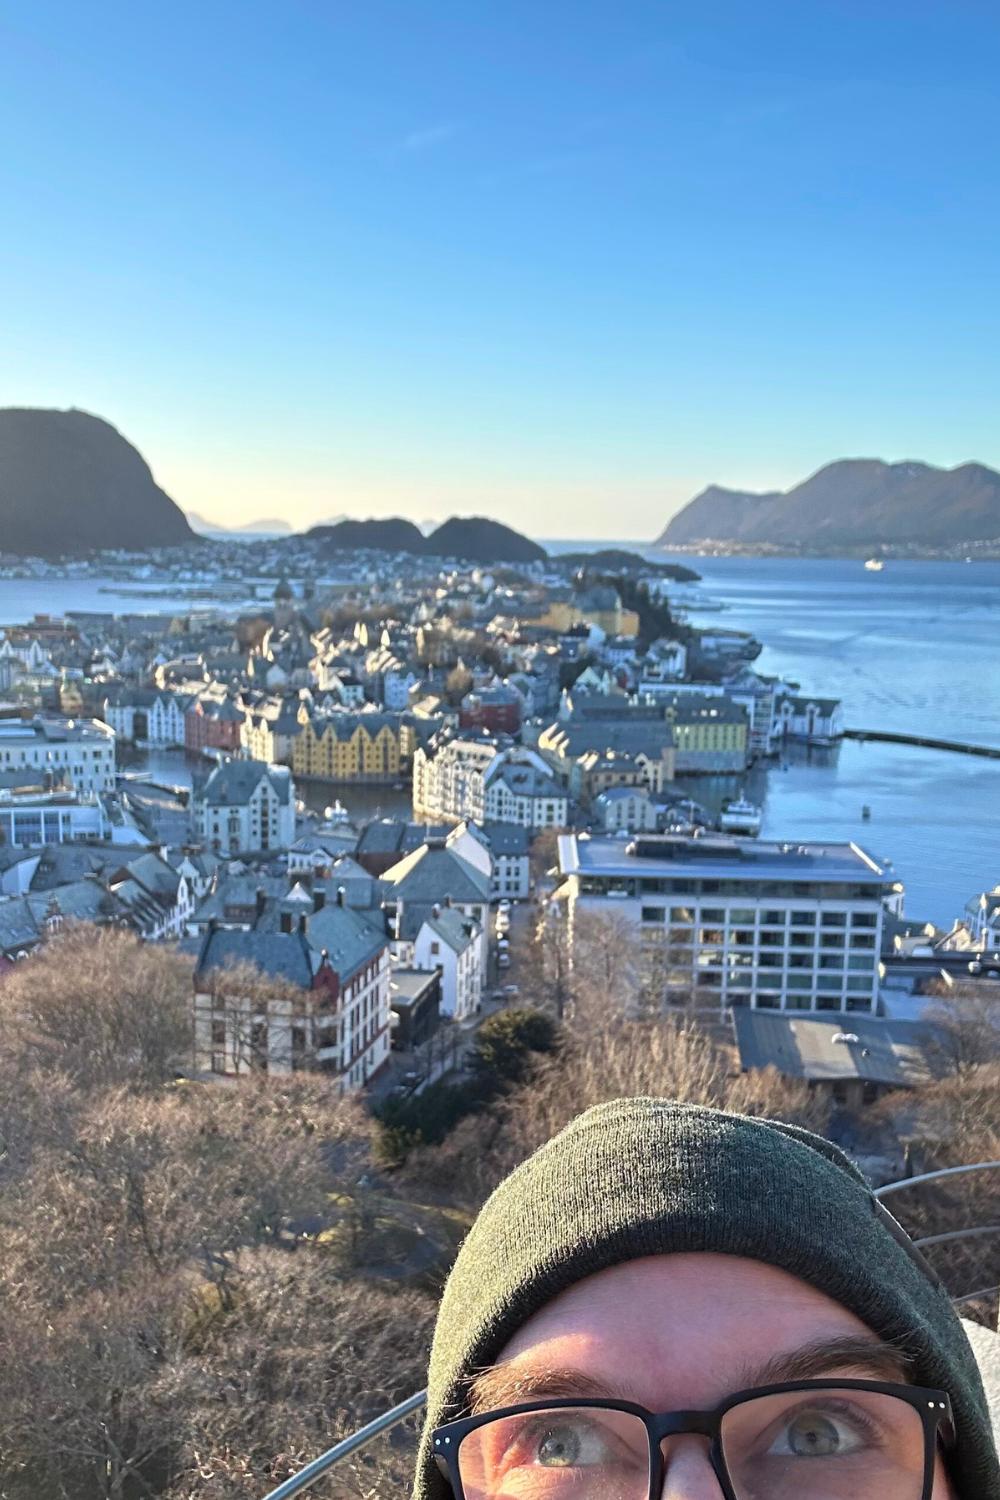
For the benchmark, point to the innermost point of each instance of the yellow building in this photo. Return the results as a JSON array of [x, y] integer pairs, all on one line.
[[596, 606], [711, 734], [344, 746]]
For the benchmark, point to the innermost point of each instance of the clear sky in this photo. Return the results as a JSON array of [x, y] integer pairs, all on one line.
[[559, 261]]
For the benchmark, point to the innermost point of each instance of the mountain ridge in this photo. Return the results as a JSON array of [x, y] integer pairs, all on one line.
[[850, 502], [71, 483], [472, 538]]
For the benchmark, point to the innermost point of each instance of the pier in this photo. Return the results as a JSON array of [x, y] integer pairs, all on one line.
[[926, 742]]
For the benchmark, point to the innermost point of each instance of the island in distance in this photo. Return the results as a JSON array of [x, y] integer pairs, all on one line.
[[855, 503]]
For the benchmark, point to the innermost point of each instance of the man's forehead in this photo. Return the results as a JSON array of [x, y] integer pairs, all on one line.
[[684, 1329]]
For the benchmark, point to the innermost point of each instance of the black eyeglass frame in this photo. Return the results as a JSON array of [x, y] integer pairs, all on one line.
[[933, 1408]]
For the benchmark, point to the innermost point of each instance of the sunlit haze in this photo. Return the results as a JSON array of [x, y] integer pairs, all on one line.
[[562, 263]]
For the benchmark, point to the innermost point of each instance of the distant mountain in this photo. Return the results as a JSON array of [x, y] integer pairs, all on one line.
[[393, 535], [476, 539], [473, 539], [853, 502], [69, 483], [270, 527]]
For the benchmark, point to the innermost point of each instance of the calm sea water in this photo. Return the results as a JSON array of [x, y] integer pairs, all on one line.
[[913, 648]]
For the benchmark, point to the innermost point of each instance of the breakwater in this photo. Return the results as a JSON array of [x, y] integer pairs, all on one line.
[[927, 742]]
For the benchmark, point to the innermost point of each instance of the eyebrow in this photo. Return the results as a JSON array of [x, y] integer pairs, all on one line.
[[511, 1384]]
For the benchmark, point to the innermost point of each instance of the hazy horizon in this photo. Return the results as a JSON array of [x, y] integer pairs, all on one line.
[[551, 264]]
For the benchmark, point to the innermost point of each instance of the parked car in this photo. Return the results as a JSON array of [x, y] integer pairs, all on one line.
[[503, 959], [510, 990], [504, 906]]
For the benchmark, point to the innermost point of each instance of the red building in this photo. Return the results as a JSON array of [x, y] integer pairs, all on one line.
[[497, 710], [212, 724]]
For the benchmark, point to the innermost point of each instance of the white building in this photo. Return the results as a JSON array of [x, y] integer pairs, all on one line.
[[80, 752], [147, 717], [820, 721], [664, 662], [245, 806], [625, 809], [450, 942], [982, 919], [740, 922], [328, 1010], [519, 787], [30, 817], [500, 850]]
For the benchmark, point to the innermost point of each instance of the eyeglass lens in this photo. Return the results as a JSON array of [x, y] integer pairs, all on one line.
[[829, 1444]]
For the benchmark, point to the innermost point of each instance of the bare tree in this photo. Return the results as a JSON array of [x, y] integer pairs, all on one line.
[[963, 1027], [303, 1359], [100, 1007]]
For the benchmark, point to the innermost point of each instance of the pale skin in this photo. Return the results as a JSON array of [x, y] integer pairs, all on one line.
[[678, 1332]]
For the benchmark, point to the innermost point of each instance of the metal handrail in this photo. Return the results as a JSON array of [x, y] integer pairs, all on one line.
[[957, 1234], [308, 1476], [905, 1182]]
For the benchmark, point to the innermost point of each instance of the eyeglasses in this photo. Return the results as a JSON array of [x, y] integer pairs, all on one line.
[[803, 1440]]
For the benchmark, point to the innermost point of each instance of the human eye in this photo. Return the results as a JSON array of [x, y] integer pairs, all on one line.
[[592, 1451], [828, 1429], [574, 1441]]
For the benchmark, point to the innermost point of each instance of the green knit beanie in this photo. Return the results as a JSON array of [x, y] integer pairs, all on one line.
[[638, 1177]]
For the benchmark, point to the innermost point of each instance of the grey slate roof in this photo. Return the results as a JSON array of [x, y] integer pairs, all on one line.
[[349, 938], [508, 839], [452, 928], [18, 927], [802, 1045], [280, 955], [233, 782], [433, 872]]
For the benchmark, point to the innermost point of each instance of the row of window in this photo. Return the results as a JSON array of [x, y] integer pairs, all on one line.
[[741, 916]]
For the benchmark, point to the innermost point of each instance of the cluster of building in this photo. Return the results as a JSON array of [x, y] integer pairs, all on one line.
[[511, 703]]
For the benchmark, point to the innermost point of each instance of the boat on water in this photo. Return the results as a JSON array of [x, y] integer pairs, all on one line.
[[741, 816], [874, 565]]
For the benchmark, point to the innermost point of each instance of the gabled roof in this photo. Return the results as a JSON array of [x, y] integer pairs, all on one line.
[[232, 783], [433, 872], [452, 928], [348, 937], [280, 955]]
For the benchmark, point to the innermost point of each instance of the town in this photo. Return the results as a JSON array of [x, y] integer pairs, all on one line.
[[536, 728]]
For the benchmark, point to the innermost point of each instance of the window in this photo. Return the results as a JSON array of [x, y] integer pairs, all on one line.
[[803, 919], [834, 919], [654, 913]]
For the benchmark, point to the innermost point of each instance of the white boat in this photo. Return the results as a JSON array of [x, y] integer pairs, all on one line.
[[741, 816], [874, 565]]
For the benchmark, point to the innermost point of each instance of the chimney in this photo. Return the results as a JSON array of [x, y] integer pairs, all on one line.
[[261, 901], [319, 897], [286, 921], [303, 922], [436, 910], [447, 901], [341, 895]]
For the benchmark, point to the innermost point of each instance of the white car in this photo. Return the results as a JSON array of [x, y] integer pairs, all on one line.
[[504, 906]]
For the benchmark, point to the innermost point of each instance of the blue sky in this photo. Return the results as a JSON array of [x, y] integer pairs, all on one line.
[[558, 261]]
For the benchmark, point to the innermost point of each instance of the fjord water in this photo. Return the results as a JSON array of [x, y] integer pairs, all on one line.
[[912, 649]]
